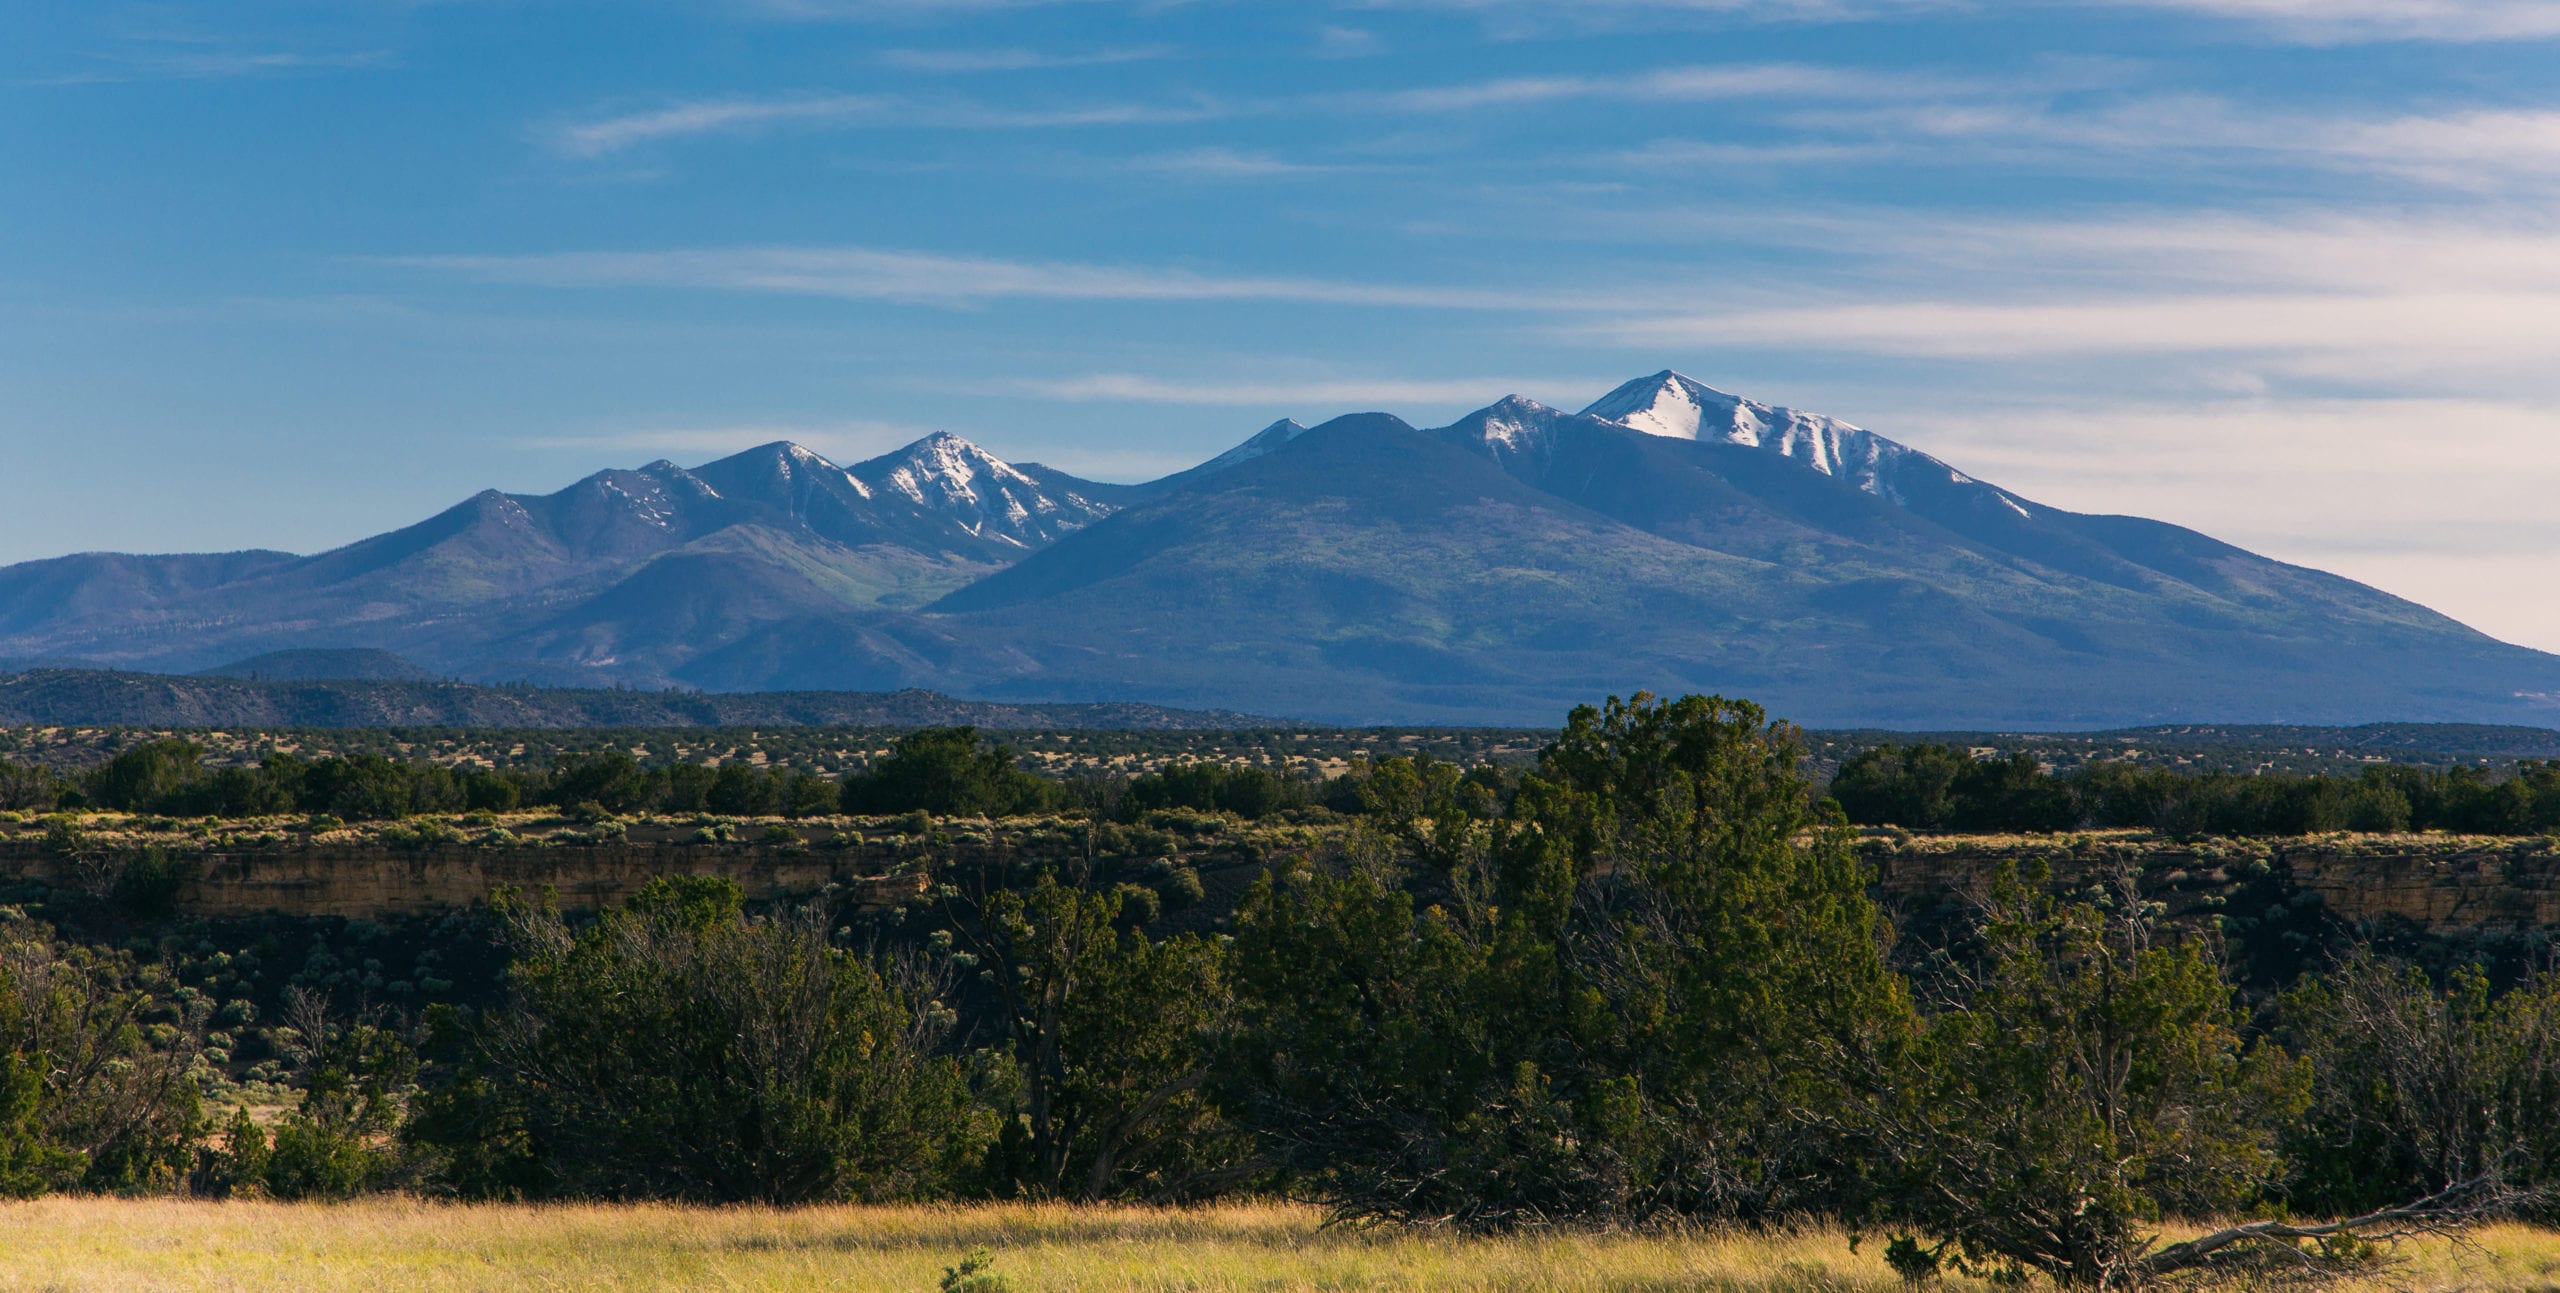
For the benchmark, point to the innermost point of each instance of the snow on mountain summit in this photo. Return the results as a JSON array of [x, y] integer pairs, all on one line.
[[989, 497], [1669, 404], [1511, 428]]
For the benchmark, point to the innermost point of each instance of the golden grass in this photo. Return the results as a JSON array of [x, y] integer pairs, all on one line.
[[403, 1244]]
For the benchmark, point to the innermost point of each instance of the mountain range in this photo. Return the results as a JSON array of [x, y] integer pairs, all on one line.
[[1497, 570]]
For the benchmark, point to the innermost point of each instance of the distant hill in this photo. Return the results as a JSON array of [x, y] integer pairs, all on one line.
[[1667, 537], [73, 697], [309, 664]]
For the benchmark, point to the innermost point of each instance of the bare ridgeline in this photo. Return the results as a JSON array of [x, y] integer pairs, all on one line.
[[2051, 1004]]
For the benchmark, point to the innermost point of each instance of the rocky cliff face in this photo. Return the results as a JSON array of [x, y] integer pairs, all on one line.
[[374, 882], [2446, 886]]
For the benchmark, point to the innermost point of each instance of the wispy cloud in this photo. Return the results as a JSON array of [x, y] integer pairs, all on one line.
[[2309, 21], [702, 117], [2481, 150], [1783, 85], [1227, 163], [2412, 305], [844, 441], [205, 61], [1018, 59], [916, 278], [1334, 394], [2477, 149], [2339, 21], [1687, 154], [596, 137], [1682, 84], [889, 10], [1347, 42]]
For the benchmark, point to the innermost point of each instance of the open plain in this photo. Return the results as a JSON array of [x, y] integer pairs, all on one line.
[[133, 1245]]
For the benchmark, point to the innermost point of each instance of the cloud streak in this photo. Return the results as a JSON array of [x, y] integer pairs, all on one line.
[[2304, 21], [1699, 83], [844, 441], [1334, 395], [2345, 21], [919, 278], [1017, 59], [2426, 305], [601, 136], [1778, 83], [193, 61]]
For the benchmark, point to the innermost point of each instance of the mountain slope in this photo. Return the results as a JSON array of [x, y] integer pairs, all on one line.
[[623, 575], [1500, 567], [99, 584], [1667, 537], [1254, 446]]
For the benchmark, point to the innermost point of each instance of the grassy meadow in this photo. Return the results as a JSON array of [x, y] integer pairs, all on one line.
[[391, 1243]]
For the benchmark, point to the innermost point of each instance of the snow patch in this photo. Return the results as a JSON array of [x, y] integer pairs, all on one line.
[[984, 495]]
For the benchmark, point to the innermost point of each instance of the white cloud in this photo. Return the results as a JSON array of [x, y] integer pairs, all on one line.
[[868, 274], [173, 60], [1017, 59], [1686, 154], [2413, 305], [1227, 163], [595, 138], [2307, 21], [890, 10], [1779, 82], [2470, 150], [2337, 21], [612, 134], [1324, 397], [1347, 42], [1697, 83], [843, 441], [2478, 150]]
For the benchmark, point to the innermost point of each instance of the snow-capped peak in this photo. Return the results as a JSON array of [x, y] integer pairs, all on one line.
[[1669, 404], [1509, 427], [989, 497], [945, 471]]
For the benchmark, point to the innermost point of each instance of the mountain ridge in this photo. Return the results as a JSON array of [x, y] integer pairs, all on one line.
[[1669, 536]]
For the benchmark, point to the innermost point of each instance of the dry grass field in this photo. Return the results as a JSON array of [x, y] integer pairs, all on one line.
[[397, 1244]]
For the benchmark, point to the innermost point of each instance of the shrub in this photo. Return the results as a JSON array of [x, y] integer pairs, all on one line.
[[676, 1049], [947, 772]]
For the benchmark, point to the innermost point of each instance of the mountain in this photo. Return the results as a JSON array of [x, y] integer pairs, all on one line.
[[623, 576], [1522, 559], [35, 594], [1259, 443], [1672, 537], [983, 495]]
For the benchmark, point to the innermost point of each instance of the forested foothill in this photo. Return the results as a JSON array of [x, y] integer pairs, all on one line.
[[1641, 978]]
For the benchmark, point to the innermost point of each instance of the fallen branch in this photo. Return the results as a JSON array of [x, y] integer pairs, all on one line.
[[2441, 1213]]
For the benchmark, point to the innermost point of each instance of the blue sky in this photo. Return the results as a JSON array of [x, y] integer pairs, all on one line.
[[283, 273]]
